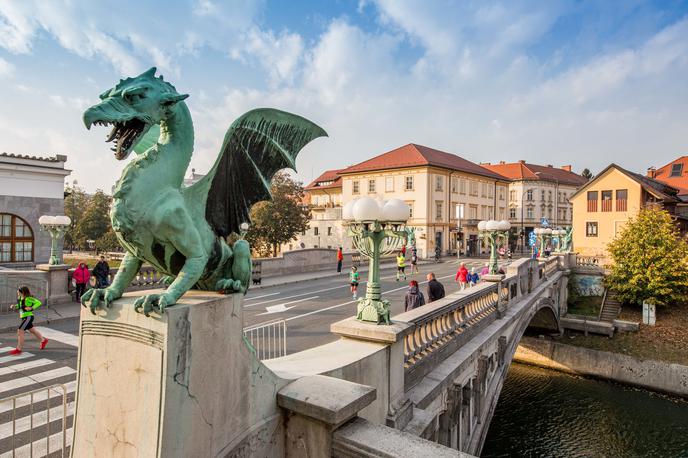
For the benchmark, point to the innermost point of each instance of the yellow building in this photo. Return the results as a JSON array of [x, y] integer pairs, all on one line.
[[603, 205], [434, 184]]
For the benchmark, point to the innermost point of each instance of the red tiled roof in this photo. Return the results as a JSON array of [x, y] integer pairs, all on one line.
[[526, 171], [680, 182], [413, 155], [326, 177]]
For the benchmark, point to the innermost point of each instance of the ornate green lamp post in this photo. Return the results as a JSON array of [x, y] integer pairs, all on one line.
[[492, 232], [376, 230], [56, 226]]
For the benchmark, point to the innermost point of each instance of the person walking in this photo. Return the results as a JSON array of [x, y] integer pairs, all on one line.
[[26, 304], [401, 266], [462, 276], [435, 288], [353, 280], [81, 277], [473, 277], [403, 249], [485, 270], [340, 260], [102, 273], [414, 298], [414, 260]]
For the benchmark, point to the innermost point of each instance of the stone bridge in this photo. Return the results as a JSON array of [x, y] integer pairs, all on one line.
[[437, 370]]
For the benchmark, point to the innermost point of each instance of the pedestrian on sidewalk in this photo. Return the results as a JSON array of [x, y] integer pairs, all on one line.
[[462, 276], [414, 260], [353, 279], [401, 266], [403, 249], [414, 298], [26, 304], [340, 260], [473, 277], [81, 277], [435, 288], [102, 273], [485, 270]]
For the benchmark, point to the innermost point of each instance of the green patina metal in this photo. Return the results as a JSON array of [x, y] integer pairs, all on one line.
[[181, 230], [493, 238], [565, 241]]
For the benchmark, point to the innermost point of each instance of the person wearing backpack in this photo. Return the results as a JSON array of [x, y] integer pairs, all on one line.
[[26, 304], [414, 298]]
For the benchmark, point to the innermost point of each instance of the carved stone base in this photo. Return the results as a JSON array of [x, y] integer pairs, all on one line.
[[57, 283], [376, 311], [177, 385]]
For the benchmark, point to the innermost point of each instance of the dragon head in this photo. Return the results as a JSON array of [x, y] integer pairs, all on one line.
[[132, 107]]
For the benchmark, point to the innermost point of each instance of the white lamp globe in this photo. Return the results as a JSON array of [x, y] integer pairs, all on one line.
[[395, 210], [63, 220], [504, 225], [537, 231], [547, 231], [367, 209], [244, 226], [482, 225], [47, 220], [348, 210], [492, 225]]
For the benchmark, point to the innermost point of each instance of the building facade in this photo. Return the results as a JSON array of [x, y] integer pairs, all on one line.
[[537, 192], [30, 187], [602, 207], [447, 195]]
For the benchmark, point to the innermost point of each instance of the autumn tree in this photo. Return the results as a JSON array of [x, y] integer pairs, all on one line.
[[277, 221], [650, 260]]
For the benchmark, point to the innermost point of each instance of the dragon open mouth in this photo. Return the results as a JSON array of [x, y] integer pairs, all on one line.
[[124, 134]]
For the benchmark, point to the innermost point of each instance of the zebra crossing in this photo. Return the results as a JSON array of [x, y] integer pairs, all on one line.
[[37, 395]]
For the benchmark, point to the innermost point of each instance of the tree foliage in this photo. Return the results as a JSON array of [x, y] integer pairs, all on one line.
[[90, 220], [587, 174], [650, 260], [276, 221], [75, 203]]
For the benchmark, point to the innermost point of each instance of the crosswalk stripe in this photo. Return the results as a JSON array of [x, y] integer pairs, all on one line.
[[22, 424], [24, 366], [41, 377], [59, 336], [10, 358], [40, 446], [70, 387]]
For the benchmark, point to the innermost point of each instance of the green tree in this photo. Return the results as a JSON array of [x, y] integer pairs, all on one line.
[[276, 221], [650, 260], [587, 174], [75, 203], [108, 242], [95, 221]]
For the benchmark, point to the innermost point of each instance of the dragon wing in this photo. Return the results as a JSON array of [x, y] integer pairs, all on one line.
[[257, 145]]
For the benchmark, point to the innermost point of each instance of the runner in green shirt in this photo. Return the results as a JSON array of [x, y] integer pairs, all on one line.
[[26, 304], [353, 278]]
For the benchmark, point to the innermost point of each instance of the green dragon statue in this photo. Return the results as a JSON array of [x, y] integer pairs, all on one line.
[[182, 230]]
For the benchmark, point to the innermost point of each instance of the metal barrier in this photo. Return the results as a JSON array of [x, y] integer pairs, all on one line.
[[269, 340], [55, 442]]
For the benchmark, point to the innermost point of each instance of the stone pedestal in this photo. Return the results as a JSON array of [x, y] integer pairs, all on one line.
[[178, 385], [497, 278], [57, 283]]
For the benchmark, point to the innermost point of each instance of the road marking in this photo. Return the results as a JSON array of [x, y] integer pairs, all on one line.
[[22, 424], [59, 336], [24, 366], [264, 295], [9, 358], [283, 307], [35, 379], [22, 401], [297, 295], [39, 446]]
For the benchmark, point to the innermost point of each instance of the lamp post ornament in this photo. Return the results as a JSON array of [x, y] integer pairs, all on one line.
[[492, 232], [544, 234], [376, 230], [56, 226]]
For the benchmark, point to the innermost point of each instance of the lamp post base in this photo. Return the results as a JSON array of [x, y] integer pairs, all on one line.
[[373, 310]]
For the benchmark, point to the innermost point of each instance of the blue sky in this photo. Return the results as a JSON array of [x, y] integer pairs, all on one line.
[[560, 82]]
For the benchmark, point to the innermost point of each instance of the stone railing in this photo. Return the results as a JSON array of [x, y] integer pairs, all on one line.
[[148, 277], [551, 265], [588, 261]]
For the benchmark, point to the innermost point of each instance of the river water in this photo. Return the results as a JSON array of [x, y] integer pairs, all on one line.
[[543, 413]]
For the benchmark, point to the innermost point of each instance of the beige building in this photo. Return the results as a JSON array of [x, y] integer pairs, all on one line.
[[537, 192], [605, 203], [434, 184]]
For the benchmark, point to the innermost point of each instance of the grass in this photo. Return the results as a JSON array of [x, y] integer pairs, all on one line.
[[586, 305], [666, 341], [90, 260]]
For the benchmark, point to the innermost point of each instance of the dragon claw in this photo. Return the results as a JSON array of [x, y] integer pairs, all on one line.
[[150, 302], [97, 296]]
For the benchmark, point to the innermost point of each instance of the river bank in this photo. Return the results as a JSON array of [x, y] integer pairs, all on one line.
[[665, 377]]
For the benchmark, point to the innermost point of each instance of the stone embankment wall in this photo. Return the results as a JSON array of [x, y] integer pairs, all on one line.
[[654, 375]]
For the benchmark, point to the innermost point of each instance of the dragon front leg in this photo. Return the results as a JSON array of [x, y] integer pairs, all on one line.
[[125, 274]]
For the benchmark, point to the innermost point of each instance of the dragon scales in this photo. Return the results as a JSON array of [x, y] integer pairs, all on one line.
[[182, 231]]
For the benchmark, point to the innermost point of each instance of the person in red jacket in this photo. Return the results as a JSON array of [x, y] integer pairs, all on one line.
[[462, 275], [81, 276], [340, 260]]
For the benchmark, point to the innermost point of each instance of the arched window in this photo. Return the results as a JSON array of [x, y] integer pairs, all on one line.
[[16, 239]]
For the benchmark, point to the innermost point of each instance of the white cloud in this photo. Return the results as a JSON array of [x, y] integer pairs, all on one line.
[[278, 55], [6, 68]]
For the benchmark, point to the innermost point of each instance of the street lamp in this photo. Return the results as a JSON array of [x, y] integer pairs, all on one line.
[[56, 226], [492, 231], [544, 234], [376, 230]]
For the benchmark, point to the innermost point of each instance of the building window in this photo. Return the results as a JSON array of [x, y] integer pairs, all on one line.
[[490, 191], [501, 193], [462, 186], [529, 195], [483, 189], [512, 196], [329, 230], [16, 239], [410, 204], [490, 213], [389, 184], [622, 200], [591, 229], [473, 212], [549, 196], [409, 183], [355, 187], [473, 188], [592, 201], [549, 212], [315, 231], [606, 201], [371, 185], [542, 195], [676, 170], [438, 210], [501, 213], [454, 185], [512, 213], [529, 213], [439, 182]]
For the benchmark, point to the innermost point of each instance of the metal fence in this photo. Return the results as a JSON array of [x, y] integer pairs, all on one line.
[[47, 434], [10, 280], [269, 340]]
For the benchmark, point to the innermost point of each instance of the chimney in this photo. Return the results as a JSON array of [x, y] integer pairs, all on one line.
[[522, 161], [502, 162], [566, 167], [485, 163], [651, 172], [549, 165]]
